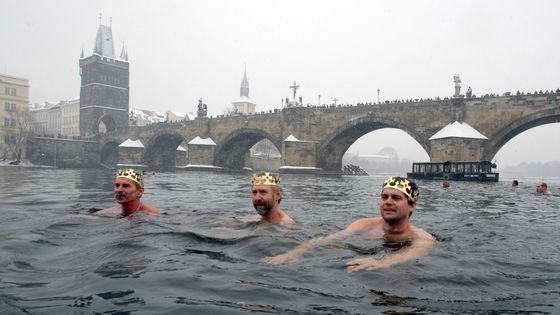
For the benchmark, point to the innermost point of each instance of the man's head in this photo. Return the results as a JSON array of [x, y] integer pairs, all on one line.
[[267, 192], [398, 199], [129, 186], [514, 183], [542, 187]]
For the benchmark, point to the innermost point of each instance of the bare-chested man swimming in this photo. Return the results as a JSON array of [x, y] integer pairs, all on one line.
[[267, 194], [128, 189], [398, 201]]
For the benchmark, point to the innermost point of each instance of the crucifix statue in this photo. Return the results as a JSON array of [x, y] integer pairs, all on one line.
[[294, 87]]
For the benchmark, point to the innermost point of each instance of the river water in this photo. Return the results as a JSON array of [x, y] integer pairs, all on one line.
[[498, 249]]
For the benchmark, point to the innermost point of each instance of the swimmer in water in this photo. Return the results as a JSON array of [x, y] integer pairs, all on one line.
[[267, 194], [542, 188], [128, 189], [398, 201]]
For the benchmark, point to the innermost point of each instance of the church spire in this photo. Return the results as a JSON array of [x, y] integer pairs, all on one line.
[[244, 91], [124, 53]]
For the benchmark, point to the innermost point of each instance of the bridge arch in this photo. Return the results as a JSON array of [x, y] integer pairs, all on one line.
[[161, 150], [536, 119], [105, 124], [332, 149], [231, 152]]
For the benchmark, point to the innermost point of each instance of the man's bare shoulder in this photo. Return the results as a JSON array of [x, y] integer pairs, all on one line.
[[364, 224], [421, 234], [150, 209]]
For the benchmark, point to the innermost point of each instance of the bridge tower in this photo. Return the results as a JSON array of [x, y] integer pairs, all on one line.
[[104, 91]]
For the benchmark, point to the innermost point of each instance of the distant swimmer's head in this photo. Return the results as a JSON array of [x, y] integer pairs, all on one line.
[[404, 185], [265, 179], [133, 175]]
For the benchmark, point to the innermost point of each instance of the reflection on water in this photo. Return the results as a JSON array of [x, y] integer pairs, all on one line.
[[497, 250]]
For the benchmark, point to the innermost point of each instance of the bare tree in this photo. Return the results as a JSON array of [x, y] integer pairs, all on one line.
[[17, 134]]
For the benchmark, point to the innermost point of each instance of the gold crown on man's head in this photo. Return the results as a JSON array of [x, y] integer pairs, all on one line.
[[132, 175], [404, 185], [265, 178]]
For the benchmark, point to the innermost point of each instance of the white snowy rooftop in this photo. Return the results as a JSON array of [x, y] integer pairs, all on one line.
[[148, 115], [180, 115], [458, 130], [205, 141], [291, 138], [129, 143], [180, 148]]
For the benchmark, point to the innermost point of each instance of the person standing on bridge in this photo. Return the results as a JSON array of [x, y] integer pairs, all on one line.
[[398, 201], [128, 189], [267, 194]]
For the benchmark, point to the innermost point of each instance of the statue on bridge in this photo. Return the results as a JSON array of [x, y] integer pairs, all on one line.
[[457, 81], [469, 92], [202, 109]]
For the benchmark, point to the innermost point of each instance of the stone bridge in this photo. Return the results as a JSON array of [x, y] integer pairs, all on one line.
[[325, 133]]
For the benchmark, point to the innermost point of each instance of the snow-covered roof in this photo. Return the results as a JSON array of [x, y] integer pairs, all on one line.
[[180, 148], [181, 116], [104, 45], [129, 143], [458, 130], [147, 115], [205, 141], [291, 138], [41, 106]]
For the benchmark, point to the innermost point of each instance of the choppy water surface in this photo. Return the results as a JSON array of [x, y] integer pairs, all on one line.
[[498, 248]]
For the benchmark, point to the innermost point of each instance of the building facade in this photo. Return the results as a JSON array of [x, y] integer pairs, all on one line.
[[70, 118], [104, 91], [60, 119], [14, 97]]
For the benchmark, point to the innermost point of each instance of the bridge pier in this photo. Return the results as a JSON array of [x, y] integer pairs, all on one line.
[[457, 149], [131, 157], [299, 156]]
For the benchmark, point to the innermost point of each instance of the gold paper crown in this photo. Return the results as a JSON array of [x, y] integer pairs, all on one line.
[[265, 178], [132, 175], [404, 185]]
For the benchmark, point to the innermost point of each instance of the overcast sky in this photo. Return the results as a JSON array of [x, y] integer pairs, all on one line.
[[180, 51]]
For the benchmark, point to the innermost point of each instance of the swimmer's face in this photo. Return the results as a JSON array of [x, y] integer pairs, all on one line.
[[265, 198], [125, 190], [540, 187], [394, 206]]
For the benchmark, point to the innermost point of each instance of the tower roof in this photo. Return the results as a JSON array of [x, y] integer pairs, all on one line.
[[104, 45], [458, 130]]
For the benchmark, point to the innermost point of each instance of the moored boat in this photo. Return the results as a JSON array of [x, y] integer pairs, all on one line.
[[480, 171]]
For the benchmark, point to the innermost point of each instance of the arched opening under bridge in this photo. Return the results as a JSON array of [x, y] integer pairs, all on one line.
[[385, 151], [531, 155]]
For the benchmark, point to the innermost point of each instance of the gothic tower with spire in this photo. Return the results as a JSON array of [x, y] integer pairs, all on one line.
[[243, 105], [104, 91]]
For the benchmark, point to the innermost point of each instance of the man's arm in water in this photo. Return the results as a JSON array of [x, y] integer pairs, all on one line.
[[421, 246], [301, 249]]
